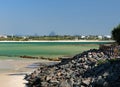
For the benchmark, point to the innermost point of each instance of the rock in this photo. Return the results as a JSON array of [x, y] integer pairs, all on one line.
[[48, 78], [44, 84], [87, 81], [85, 66], [105, 84], [105, 74], [73, 61], [80, 71], [92, 59], [82, 86], [54, 81], [64, 83], [99, 77], [100, 69], [100, 81]]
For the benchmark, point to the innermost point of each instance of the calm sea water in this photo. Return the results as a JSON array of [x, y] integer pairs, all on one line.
[[45, 49]]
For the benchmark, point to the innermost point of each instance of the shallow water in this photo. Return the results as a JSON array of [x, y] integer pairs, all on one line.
[[45, 49]]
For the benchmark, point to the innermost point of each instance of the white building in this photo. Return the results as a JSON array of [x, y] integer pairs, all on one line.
[[3, 36], [108, 36], [100, 37], [83, 37]]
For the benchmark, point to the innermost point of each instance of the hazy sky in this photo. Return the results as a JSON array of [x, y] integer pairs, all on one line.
[[75, 17]]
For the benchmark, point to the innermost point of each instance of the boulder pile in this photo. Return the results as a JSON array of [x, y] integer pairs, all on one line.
[[83, 70]]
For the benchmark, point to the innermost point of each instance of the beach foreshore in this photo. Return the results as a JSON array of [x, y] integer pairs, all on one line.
[[12, 72], [7, 80]]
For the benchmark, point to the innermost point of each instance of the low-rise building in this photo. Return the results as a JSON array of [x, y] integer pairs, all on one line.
[[3, 36]]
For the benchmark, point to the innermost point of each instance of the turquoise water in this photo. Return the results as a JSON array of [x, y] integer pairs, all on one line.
[[45, 49]]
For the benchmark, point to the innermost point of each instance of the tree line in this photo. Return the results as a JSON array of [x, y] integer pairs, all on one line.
[[56, 37]]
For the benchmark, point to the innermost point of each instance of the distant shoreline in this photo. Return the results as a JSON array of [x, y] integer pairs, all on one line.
[[63, 41]]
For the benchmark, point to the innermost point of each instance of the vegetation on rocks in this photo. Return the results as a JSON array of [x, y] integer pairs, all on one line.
[[116, 34]]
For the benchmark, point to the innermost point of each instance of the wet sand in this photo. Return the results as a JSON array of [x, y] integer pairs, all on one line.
[[12, 72], [7, 80]]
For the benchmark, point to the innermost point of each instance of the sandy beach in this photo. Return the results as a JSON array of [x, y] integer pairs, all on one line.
[[12, 72], [7, 80]]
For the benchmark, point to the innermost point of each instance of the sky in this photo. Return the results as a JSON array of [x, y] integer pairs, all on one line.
[[64, 17]]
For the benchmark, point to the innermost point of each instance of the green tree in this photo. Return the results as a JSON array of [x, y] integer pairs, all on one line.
[[116, 34]]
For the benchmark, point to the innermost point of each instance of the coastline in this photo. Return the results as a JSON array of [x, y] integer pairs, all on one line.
[[63, 41], [15, 77]]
